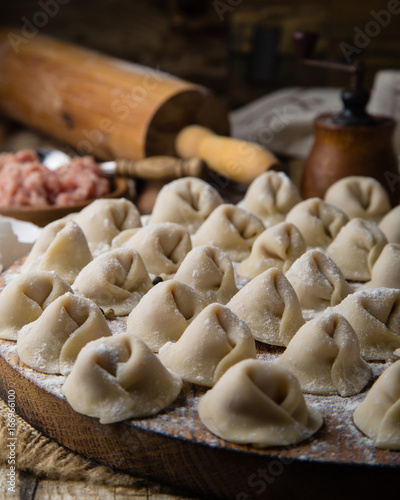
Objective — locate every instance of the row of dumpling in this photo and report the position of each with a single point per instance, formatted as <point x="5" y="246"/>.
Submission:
<point x="118" y="377"/>
<point x="196" y="269"/>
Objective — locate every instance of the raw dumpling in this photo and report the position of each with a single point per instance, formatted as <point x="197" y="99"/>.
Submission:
<point x="52" y="342"/>
<point x="318" y="221"/>
<point x="162" y="246"/>
<point x="230" y="228"/>
<point x="359" y="196"/>
<point x="378" y="416"/>
<point x="259" y="403"/>
<point x="270" y="306"/>
<point x="118" y="377"/>
<point x="115" y="280"/>
<point x="390" y="226"/>
<point x="270" y="196"/>
<point x="164" y="313"/>
<point x="209" y="270"/>
<point x="214" y="341"/>
<point x="104" y="219"/>
<point x="356" y="248"/>
<point x="25" y="297"/>
<point x="60" y="247"/>
<point x="278" y="246"/>
<point x="317" y="281"/>
<point x="187" y="201"/>
<point x="386" y="270"/>
<point x="324" y="355"/>
<point x="375" y="316"/>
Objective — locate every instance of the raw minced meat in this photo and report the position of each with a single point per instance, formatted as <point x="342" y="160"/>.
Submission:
<point x="24" y="181"/>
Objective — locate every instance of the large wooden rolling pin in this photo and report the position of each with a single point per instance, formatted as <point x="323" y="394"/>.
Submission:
<point x="115" y="109"/>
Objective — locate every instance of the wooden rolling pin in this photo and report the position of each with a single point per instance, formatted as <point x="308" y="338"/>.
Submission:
<point x="115" y="109"/>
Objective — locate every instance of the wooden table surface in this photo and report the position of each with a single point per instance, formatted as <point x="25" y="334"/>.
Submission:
<point x="31" y="487"/>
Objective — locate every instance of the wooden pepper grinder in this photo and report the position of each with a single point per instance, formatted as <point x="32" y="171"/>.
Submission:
<point x="352" y="142"/>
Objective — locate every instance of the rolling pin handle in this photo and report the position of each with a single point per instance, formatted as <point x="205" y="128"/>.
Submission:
<point x="160" y="168"/>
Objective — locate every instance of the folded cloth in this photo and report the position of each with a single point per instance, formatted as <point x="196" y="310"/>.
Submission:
<point x="283" y="120"/>
<point x="385" y="99"/>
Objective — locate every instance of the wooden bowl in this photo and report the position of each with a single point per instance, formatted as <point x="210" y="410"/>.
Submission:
<point x="44" y="215"/>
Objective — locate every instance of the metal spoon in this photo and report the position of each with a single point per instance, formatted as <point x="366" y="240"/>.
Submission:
<point x="152" y="168"/>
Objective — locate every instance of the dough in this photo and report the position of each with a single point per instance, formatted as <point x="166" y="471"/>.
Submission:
<point x="209" y="270"/>
<point x="115" y="280"/>
<point x="390" y="226"/>
<point x="317" y="281"/>
<point x="60" y="247"/>
<point x="386" y="270"/>
<point x="215" y="340"/>
<point x="117" y="378"/>
<point x="104" y="219"/>
<point x="378" y="416"/>
<point x="164" y="313"/>
<point x="270" y="306"/>
<point x="375" y="316"/>
<point x="318" y="221"/>
<point x="52" y="342"/>
<point x="356" y="248"/>
<point x="359" y="196"/>
<point x="271" y="196"/>
<point x="230" y="228"/>
<point x="187" y="201"/>
<point x="259" y="403"/>
<point x="162" y="246"/>
<point x="324" y="355"/>
<point x="25" y="297"/>
<point x="278" y="246"/>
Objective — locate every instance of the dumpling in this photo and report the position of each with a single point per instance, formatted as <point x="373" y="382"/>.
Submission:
<point x="359" y="196"/>
<point x="117" y="378"/>
<point x="162" y="246"/>
<point x="318" y="221"/>
<point x="270" y="306"/>
<point x="375" y="316"/>
<point x="230" y="228"/>
<point x="324" y="355"/>
<point x="187" y="201"/>
<point x="317" y="281"/>
<point x="115" y="280"/>
<point x="278" y="246"/>
<point x="378" y="416"/>
<point x="25" y="297"/>
<point x="104" y="219"/>
<point x="386" y="270"/>
<point x="60" y="247"/>
<point x="52" y="342"/>
<point x="390" y="226"/>
<point x="215" y="340"/>
<point x="271" y="196"/>
<point x="259" y="403"/>
<point x="356" y="248"/>
<point x="164" y="313"/>
<point x="209" y="270"/>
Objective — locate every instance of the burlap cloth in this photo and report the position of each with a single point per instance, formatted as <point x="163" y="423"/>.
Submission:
<point x="47" y="459"/>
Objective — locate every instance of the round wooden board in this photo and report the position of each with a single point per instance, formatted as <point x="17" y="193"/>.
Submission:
<point x="173" y="447"/>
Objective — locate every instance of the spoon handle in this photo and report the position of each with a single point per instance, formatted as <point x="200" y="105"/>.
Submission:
<point x="160" y="168"/>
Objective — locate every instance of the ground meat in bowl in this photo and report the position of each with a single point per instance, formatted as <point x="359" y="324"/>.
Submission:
<point x="24" y="181"/>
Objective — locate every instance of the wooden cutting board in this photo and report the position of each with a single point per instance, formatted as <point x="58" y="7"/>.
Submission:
<point x="174" y="448"/>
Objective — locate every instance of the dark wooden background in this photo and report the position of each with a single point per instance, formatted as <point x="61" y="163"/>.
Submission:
<point x="240" y="48"/>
